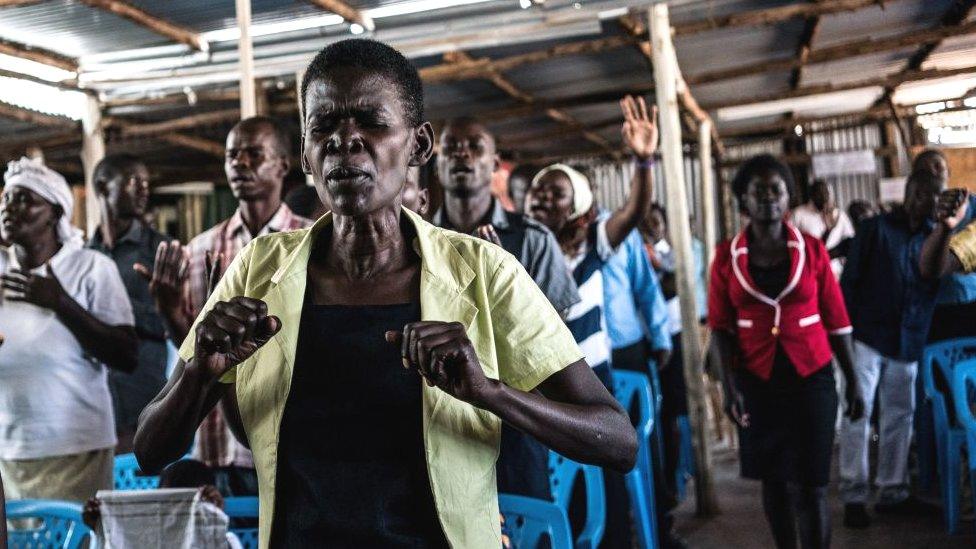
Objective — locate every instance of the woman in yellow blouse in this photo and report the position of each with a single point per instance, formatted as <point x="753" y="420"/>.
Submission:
<point x="370" y="360"/>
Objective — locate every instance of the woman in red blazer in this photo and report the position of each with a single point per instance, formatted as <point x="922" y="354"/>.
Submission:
<point x="778" y="317"/>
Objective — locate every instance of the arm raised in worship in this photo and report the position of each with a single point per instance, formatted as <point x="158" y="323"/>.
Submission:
<point x="640" y="134"/>
<point x="940" y="255"/>
<point x="167" y="285"/>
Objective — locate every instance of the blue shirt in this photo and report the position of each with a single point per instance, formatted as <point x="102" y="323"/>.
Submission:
<point x="889" y="303"/>
<point x="959" y="287"/>
<point x="631" y="294"/>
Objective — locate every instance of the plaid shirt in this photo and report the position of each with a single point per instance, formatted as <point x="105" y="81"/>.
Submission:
<point x="215" y="445"/>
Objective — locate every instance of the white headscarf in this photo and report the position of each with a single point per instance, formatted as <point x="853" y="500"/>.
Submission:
<point x="51" y="186"/>
<point x="582" y="195"/>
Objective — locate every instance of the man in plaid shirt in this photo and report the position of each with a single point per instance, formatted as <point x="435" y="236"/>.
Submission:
<point x="256" y="163"/>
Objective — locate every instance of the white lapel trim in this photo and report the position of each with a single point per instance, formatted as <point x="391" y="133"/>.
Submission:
<point x="800" y="263"/>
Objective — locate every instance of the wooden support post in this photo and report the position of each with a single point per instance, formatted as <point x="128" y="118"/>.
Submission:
<point x="245" y="53"/>
<point x="92" y="151"/>
<point x="666" y="76"/>
<point x="709" y="209"/>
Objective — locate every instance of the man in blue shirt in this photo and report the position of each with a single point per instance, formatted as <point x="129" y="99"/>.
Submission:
<point x="890" y="305"/>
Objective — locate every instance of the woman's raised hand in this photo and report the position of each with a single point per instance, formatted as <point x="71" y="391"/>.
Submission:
<point x="231" y="332"/>
<point x="444" y="356"/>
<point x="640" y="127"/>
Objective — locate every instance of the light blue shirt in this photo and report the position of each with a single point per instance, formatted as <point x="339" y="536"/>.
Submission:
<point x="634" y="305"/>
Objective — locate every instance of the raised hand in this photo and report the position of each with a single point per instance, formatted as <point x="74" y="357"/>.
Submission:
<point x="231" y="332"/>
<point x="487" y="232"/>
<point x="640" y="127"/>
<point x="442" y="353"/>
<point x="952" y="207"/>
<point x="40" y="290"/>
<point x="167" y="277"/>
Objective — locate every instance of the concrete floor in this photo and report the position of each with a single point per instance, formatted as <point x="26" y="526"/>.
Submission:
<point x="741" y="523"/>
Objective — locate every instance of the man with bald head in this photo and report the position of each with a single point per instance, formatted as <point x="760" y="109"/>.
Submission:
<point x="465" y="164"/>
<point x="256" y="161"/>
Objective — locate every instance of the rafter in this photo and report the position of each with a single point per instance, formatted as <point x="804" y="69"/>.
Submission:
<point x="513" y="91"/>
<point x="810" y="29"/>
<point x="347" y="12"/>
<point x="770" y="16"/>
<point x="956" y="15"/>
<point x="883" y="82"/>
<point x="38" y="55"/>
<point x="845" y="50"/>
<point x="33" y="117"/>
<point x="16" y="3"/>
<point x="156" y="24"/>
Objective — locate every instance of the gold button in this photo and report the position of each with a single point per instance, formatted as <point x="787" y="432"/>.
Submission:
<point x="775" y="330"/>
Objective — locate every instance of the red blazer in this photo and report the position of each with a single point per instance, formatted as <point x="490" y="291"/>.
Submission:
<point x="810" y="307"/>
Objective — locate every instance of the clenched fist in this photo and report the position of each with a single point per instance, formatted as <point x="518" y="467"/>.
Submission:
<point x="442" y="353"/>
<point x="231" y="332"/>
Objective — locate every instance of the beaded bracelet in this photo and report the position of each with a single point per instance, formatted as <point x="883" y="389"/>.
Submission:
<point x="648" y="164"/>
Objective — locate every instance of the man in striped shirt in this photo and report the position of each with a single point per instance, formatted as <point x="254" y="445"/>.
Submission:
<point x="256" y="162"/>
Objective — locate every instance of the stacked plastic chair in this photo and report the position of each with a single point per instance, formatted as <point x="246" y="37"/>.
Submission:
<point x="530" y="523"/>
<point x="633" y="391"/>
<point x="964" y="397"/>
<point x="128" y="476"/>
<point x="940" y="359"/>
<point x="562" y="477"/>
<point x="243" y="508"/>
<point x="52" y="525"/>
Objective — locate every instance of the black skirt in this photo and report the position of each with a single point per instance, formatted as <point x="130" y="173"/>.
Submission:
<point x="790" y="437"/>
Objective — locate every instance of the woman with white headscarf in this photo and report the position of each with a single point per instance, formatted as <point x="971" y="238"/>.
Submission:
<point x="560" y="198"/>
<point x="64" y="317"/>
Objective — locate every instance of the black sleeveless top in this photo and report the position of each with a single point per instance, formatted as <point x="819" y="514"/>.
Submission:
<point x="351" y="469"/>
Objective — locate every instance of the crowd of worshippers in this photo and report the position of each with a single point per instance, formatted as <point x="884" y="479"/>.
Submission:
<point x="416" y="335"/>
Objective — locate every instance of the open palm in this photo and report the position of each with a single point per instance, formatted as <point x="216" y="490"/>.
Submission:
<point x="640" y="127"/>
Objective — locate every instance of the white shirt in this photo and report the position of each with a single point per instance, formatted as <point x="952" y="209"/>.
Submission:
<point x="54" y="398"/>
<point x="809" y="220"/>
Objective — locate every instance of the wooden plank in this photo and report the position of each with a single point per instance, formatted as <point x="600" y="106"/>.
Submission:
<point x="810" y="30"/>
<point x="245" y="53"/>
<point x="33" y="117"/>
<point x="38" y="55"/>
<point x="771" y="16"/>
<point x="845" y="50"/>
<point x="666" y="78"/>
<point x="347" y="12"/>
<point x="92" y="152"/>
<point x="883" y="82"/>
<point x="156" y="24"/>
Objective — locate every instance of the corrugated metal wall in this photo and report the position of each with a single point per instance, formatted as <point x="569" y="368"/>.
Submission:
<point x="838" y="136"/>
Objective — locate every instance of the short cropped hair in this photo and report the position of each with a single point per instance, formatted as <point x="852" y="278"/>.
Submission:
<point x="372" y="56"/>
<point x="282" y="141"/>
<point x="757" y="165"/>
<point x="114" y="165"/>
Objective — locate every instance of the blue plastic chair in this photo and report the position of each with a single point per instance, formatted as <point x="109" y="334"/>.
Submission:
<point x="949" y="437"/>
<point x="243" y="507"/>
<point x="128" y="476"/>
<point x="528" y="521"/>
<point x="60" y="525"/>
<point x="562" y="477"/>
<point x="964" y="397"/>
<point x="686" y="457"/>
<point x="633" y="390"/>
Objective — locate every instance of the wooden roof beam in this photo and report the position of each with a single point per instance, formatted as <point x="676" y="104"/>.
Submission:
<point x="38" y="55"/>
<point x="810" y="29"/>
<point x="37" y="118"/>
<point x="513" y="91"/>
<point x="16" y="3"/>
<point x="770" y="16"/>
<point x="156" y="24"/>
<point x="882" y="82"/>
<point x="955" y="16"/>
<point x="347" y="12"/>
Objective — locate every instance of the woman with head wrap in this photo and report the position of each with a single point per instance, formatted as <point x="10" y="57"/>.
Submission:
<point x="561" y="199"/>
<point x="64" y="317"/>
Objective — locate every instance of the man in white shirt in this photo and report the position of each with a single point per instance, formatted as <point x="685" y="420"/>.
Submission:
<point x="821" y="218"/>
<point x="65" y="317"/>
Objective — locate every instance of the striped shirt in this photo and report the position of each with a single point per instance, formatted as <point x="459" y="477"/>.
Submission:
<point x="214" y="444"/>
<point x="586" y="319"/>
